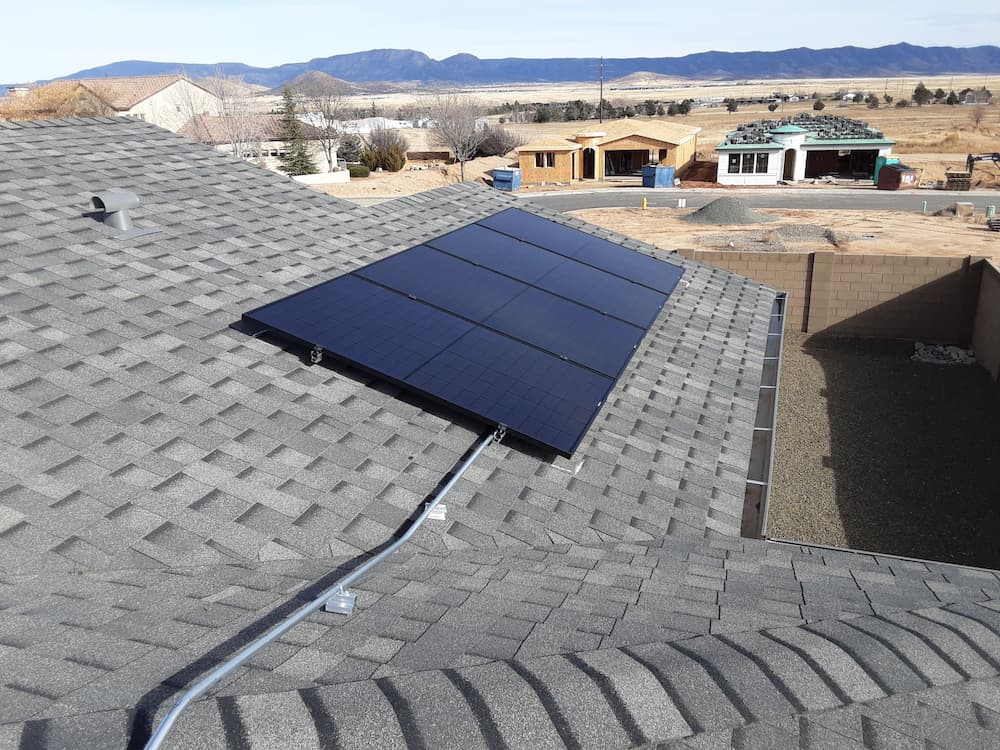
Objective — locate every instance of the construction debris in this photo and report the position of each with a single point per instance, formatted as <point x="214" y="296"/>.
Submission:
<point x="938" y="354"/>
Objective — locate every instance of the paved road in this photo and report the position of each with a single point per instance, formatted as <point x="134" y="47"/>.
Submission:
<point x="818" y="198"/>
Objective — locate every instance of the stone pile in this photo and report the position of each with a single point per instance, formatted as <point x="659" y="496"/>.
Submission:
<point x="726" y="210"/>
<point x="937" y="354"/>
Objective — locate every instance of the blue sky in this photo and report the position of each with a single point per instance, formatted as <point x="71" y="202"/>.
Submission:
<point x="46" y="39"/>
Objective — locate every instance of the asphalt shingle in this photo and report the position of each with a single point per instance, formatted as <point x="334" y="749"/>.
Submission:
<point x="171" y="486"/>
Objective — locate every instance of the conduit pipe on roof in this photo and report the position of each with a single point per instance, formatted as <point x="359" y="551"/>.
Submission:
<point x="337" y="589"/>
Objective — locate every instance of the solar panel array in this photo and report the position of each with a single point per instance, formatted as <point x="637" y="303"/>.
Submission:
<point x="515" y="320"/>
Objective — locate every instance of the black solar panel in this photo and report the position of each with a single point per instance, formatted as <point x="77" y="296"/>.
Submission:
<point x="515" y="320"/>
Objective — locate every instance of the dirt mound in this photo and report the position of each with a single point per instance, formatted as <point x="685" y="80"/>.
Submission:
<point x="726" y="210"/>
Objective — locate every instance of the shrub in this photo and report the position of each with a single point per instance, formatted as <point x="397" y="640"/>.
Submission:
<point x="358" y="170"/>
<point x="384" y="148"/>
<point x="772" y="106"/>
<point x="498" y="141"/>
<point x="818" y="105"/>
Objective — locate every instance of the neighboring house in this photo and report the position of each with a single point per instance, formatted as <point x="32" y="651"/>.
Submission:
<point x="261" y="134"/>
<point x="366" y="125"/>
<point x="172" y="486"/>
<point x="167" y="100"/>
<point x="620" y="147"/>
<point x="797" y="148"/>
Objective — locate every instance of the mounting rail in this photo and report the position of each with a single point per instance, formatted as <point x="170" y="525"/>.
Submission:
<point x="337" y="594"/>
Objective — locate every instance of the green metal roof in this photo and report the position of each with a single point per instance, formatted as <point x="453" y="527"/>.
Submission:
<point x="850" y="142"/>
<point x="772" y="146"/>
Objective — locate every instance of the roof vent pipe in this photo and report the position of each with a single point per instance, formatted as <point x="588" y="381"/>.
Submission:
<point x="115" y="205"/>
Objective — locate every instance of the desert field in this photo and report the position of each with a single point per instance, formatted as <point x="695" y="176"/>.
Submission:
<point x="641" y="86"/>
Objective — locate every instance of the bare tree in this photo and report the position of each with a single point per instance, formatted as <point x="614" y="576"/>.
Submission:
<point x="324" y="109"/>
<point x="241" y="124"/>
<point x="977" y="114"/>
<point x="457" y="126"/>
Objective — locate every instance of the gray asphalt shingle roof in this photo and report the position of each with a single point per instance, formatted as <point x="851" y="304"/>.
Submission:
<point x="166" y="482"/>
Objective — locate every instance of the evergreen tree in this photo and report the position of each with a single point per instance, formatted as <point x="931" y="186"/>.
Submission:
<point x="296" y="160"/>
<point x="952" y="99"/>
<point x="350" y="147"/>
<point x="922" y="94"/>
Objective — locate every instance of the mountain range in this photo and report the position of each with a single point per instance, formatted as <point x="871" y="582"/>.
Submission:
<point x="412" y="66"/>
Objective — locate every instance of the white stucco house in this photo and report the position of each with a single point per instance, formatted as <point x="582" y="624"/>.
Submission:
<point x="801" y="147"/>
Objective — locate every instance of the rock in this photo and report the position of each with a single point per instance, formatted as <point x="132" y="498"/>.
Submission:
<point x="936" y="354"/>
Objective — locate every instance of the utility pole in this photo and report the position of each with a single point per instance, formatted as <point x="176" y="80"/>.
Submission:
<point x="600" y="104"/>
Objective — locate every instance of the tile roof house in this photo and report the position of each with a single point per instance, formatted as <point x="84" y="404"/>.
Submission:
<point x="165" y="100"/>
<point x="169" y="487"/>
<point x="260" y="134"/>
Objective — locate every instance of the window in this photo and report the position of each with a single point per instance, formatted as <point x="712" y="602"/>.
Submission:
<point x="545" y="159"/>
<point x="748" y="163"/>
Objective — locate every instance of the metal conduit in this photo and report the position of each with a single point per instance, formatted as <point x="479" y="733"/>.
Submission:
<point x="338" y="589"/>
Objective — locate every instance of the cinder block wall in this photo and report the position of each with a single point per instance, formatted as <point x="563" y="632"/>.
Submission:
<point x="986" y="326"/>
<point x="890" y="296"/>
<point x="788" y="272"/>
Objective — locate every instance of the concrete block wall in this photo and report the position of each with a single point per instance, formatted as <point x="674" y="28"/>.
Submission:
<point x="986" y="324"/>
<point x="893" y="296"/>
<point x="788" y="272"/>
<point x="932" y="299"/>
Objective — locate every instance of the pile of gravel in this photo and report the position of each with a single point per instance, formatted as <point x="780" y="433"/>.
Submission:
<point x="726" y="210"/>
<point x="777" y="240"/>
<point x="936" y="354"/>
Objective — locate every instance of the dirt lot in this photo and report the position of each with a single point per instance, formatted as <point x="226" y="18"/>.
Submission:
<point x="889" y="232"/>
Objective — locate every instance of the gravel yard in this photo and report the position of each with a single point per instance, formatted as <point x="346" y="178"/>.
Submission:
<point x="877" y="452"/>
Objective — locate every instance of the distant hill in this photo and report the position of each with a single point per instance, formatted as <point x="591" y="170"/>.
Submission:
<point x="393" y="65"/>
<point x="315" y="82"/>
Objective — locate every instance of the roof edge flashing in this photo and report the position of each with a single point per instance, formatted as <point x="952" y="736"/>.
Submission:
<point x="114" y="205"/>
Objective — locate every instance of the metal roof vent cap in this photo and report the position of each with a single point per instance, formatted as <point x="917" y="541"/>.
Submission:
<point x="115" y="205"/>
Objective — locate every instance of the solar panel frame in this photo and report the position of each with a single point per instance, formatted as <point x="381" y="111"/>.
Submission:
<point x="425" y="324"/>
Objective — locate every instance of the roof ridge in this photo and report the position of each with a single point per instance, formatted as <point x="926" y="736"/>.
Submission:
<point x="649" y="692"/>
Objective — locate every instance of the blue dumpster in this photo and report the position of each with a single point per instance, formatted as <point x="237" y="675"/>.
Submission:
<point x="507" y="179"/>
<point x="654" y="176"/>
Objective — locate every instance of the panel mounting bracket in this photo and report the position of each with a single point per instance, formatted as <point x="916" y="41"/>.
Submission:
<point x="341" y="603"/>
<point x="316" y="355"/>
<point x="438" y="513"/>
